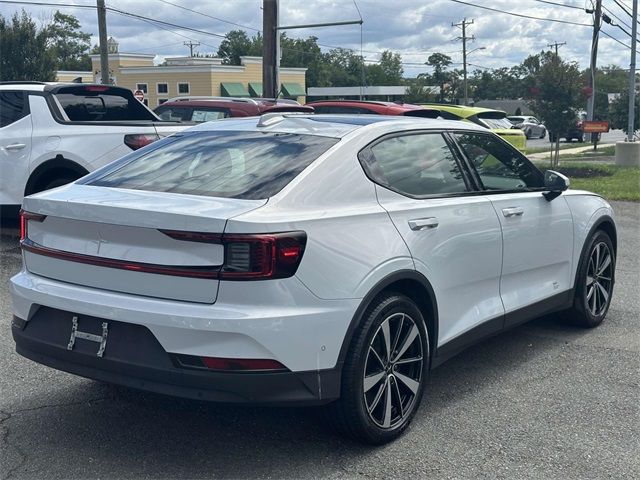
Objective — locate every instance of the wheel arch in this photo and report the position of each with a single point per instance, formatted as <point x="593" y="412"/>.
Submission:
<point x="606" y="224"/>
<point x="407" y="282"/>
<point x="59" y="163"/>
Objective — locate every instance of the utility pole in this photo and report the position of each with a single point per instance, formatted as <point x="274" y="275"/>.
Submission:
<point x="556" y="45"/>
<point x="464" y="38"/>
<point x="632" y="73"/>
<point x="597" y="23"/>
<point x="102" y="35"/>
<point x="270" y="41"/>
<point x="191" y="44"/>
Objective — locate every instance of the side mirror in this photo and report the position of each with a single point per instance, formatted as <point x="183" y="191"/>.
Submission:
<point x="555" y="183"/>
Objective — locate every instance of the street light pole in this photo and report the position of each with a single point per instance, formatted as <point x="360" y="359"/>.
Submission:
<point x="632" y="74"/>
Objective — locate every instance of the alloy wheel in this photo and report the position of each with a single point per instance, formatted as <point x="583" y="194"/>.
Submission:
<point x="393" y="371"/>
<point x="599" y="279"/>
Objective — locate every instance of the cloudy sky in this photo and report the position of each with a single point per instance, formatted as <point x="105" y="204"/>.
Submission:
<point x="413" y="28"/>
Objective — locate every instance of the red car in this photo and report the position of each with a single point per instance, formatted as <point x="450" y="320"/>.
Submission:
<point x="203" y="109"/>
<point x="370" y="107"/>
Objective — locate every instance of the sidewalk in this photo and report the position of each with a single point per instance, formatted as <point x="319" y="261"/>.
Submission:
<point x="567" y="151"/>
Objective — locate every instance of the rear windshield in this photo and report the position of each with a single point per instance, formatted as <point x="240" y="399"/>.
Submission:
<point x="248" y="165"/>
<point x="495" y="120"/>
<point x="92" y="103"/>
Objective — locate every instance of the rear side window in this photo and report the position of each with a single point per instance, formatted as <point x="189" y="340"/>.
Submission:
<point x="99" y="103"/>
<point x="248" y="165"/>
<point x="12" y="107"/>
<point x="415" y="165"/>
<point x="174" y="114"/>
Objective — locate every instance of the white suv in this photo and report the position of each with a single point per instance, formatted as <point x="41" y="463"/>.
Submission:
<point x="54" y="133"/>
<point x="304" y="259"/>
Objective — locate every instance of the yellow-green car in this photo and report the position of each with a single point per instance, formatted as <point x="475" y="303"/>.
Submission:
<point x="496" y="120"/>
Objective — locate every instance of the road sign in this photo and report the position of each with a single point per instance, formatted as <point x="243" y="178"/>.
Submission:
<point x="595" y="127"/>
<point x="139" y="94"/>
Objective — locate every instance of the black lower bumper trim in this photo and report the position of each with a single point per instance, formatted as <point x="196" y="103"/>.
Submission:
<point x="134" y="358"/>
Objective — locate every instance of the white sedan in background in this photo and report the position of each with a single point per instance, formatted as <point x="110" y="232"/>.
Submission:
<point x="297" y="259"/>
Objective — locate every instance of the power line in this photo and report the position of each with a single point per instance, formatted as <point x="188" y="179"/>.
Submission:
<point x="623" y="7"/>
<point x="559" y="4"/>
<point x="617" y="17"/>
<point x="531" y="17"/>
<point x="209" y="16"/>
<point x="615" y="39"/>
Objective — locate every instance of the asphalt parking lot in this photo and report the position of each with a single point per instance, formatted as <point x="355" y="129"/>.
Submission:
<point x="543" y="401"/>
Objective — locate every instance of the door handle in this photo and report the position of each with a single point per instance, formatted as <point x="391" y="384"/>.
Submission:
<point x="15" y="146"/>
<point x="513" y="212"/>
<point x="423" y="223"/>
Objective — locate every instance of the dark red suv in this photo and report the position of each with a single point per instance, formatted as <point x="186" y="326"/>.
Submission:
<point x="369" y="107"/>
<point x="204" y="109"/>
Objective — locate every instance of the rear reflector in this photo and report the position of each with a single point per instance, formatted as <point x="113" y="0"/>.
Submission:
<point x="25" y="217"/>
<point x="134" y="142"/>
<point x="246" y="364"/>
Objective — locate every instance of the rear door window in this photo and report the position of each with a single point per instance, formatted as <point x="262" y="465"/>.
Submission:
<point x="248" y="165"/>
<point x="91" y="103"/>
<point x="209" y="114"/>
<point x="174" y="114"/>
<point x="13" y="107"/>
<point x="416" y="165"/>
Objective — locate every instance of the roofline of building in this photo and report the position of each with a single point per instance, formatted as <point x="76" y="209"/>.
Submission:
<point x="74" y="72"/>
<point x="96" y="56"/>
<point x="196" y="69"/>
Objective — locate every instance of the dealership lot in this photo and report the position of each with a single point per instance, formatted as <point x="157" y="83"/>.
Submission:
<point x="543" y="401"/>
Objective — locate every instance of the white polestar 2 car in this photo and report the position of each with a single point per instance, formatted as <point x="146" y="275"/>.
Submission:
<point x="305" y="260"/>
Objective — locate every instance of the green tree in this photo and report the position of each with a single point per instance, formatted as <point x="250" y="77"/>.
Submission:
<point x="609" y="79"/>
<point x="417" y="91"/>
<point x="24" y="52"/>
<point x="388" y="71"/>
<point x="305" y="53"/>
<point x="237" y="44"/>
<point x="69" y="45"/>
<point x="440" y="76"/>
<point x="557" y="96"/>
<point x="619" y="112"/>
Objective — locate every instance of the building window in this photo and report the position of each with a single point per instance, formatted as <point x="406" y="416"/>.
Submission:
<point x="163" y="87"/>
<point x="183" y="88"/>
<point x="143" y="87"/>
<point x="146" y="101"/>
<point x="162" y="100"/>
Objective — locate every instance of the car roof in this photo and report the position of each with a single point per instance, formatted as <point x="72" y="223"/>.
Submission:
<point x="364" y="103"/>
<point x="461" y="110"/>
<point x="336" y="126"/>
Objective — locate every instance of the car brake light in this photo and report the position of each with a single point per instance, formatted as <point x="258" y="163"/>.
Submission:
<point x="24" y="220"/>
<point x="241" y="364"/>
<point x="95" y="88"/>
<point x="262" y="256"/>
<point x="136" y="141"/>
<point x="253" y="256"/>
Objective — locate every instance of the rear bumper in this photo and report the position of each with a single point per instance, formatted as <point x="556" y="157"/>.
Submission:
<point x="134" y="358"/>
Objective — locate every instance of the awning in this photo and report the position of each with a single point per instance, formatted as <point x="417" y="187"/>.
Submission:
<point x="233" y="89"/>
<point x="255" y="89"/>
<point x="293" y="90"/>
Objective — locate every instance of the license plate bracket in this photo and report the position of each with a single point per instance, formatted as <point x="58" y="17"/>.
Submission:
<point x="101" y="339"/>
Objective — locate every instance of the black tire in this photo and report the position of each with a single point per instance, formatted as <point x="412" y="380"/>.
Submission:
<point x="580" y="138"/>
<point x="590" y="288"/>
<point x="527" y="133"/>
<point x="544" y="133"/>
<point x="58" y="182"/>
<point x="357" y="414"/>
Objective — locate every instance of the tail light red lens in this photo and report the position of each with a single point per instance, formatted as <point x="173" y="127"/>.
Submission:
<point x="253" y="256"/>
<point x="25" y="217"/>
<point x="262" y="256"/>
<point x="240" y="364"/>
<point x="134" y="142"/>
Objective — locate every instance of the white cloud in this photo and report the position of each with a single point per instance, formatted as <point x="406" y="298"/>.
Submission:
<point x="414" y="28"/>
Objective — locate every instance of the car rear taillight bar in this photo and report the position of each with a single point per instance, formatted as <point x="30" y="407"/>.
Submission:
<point x="25" y="217"/>
<point x="253" y="256"/>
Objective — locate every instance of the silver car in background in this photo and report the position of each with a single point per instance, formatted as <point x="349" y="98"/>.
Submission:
<point x="531" y="126"/>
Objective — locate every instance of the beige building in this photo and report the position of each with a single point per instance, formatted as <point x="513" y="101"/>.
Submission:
<point x="188" y="76"/>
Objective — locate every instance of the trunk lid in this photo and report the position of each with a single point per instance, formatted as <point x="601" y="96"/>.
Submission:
<point x="112" y="239"/>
